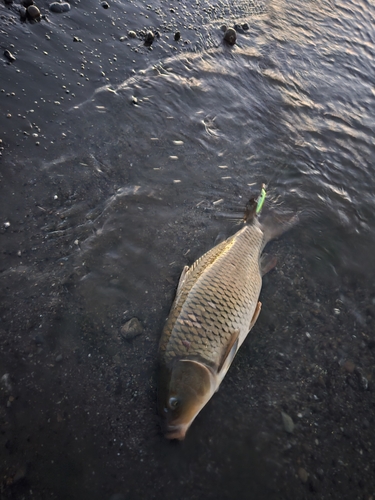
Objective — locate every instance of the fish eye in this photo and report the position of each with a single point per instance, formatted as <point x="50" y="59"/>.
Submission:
<point x="173" y="402"/>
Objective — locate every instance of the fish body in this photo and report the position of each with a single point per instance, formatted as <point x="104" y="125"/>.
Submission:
<point x="215" y="307"/>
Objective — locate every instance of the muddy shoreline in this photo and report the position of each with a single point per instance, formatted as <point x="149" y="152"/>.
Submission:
<point x="78" y="402"/>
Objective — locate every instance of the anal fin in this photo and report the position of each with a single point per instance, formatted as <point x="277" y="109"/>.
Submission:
<point x="267" y="263"/>
<point x="255" y="315"/>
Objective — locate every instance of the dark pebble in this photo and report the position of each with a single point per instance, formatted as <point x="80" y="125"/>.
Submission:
<point x="105" y="5"/>
<point x="58" y="7"/>
<point x="9" y="56"/>
<point x="149" y="38"/>
<point x="239" y="28"/>
<point x="27" y="3"/>
<point x="23" y="12"/>
<point x="33" y="12"/>
<point x="39" y="340"/>
<point x="245" y="26"/>
<point x="223" y="28"/>
<point x="131" y="329"/>
<point x="230" y="36"/>
<point x="177" y="36"/>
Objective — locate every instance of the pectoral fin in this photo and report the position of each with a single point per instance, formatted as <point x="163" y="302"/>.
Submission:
<point x="255" y="315"/>
<point x="229" y="352"/>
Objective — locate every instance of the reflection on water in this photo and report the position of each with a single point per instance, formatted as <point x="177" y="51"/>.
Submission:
<point x="137" y="190"/>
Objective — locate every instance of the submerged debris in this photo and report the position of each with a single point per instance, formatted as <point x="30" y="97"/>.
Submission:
<point x="9" y="56"/>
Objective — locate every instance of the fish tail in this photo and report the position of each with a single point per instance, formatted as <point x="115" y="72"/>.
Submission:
<point x="274" y="225"/>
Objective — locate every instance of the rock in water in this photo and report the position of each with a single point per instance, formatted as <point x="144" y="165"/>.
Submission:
<point x="59" y="7"/>
<point x="177" y="36"/>
<point x="131" y="329"/>
<point x="33" y="12"/>
<point x="150" y="37"/>
<point x="230" y="36"/>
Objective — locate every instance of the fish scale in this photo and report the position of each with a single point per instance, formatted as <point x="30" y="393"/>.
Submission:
<point x="216" y="298"/>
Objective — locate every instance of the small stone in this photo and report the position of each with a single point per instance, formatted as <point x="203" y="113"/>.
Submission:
<point x="149" y="38"/>
<point x="23" y="13"/>
<point x="239" y="28"/>
<point x="20" y="474"/>
<point x="76" y="39"/>
<point x="177" y="36"/>
<point x="349" y="366"/>
<point x="9" y="56"/>
<point x="131" y="329"/>
<point x="33" y="12"/>
<point x="5" y="382"/>
<point x="303" y="474"/>
<point x="245" y="26"/>
<point x="59" y="358"/>
<point x="134" y="100"/>
<point x="39" y="340"/>
<point x="105" y="5"/>
<point x="27" y="3"/>
<point x="132" y="34"/>
<point x="230" y="36"/>
<point x="59" y="7"/>
<point x="223" y="28"/>
<point x="287" y="422"/>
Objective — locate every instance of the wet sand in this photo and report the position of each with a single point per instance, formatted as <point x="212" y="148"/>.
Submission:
<point x="78" y="402"/>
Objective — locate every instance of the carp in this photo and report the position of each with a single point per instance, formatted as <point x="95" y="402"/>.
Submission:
<point x="216" y="305"/>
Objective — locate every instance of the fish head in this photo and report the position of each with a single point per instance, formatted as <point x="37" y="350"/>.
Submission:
<point x="189" y="387"/>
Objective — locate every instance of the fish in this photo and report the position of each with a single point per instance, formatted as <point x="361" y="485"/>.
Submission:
<point x="215" y="307"/>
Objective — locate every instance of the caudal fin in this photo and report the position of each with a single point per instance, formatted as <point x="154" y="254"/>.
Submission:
<point x="274" y="225"/>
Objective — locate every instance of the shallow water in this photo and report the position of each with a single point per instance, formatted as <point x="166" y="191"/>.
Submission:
<point x="134" y="178"/>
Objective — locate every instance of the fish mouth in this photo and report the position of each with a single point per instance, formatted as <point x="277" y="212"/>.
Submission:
<point x="176" y="431"/>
